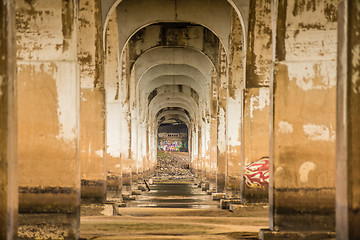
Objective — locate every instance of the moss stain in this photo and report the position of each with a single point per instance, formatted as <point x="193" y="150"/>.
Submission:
<point x="67" y="17"/>
<point x="331" y="12"/>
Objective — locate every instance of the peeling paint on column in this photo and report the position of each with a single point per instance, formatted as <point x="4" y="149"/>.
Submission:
<point x="319" y="132"/>
<point x="285" y="127"/>
<point x="305" y="170"/>
<point x="259" y="44"/>
<point x="309" y="76"/>
<point x="45" y="30"/>
<point x="67" y="19"/>
<point x="259" y="102"/>
<point x="67" y="118"/>
<point x="306" y="37"/>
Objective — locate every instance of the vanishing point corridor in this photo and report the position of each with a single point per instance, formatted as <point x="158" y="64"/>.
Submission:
<point x="175" y="207"/>
<point x="180" y="119"/>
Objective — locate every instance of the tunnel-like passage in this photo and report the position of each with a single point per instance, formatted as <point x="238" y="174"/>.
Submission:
<point x="178" y="111"/>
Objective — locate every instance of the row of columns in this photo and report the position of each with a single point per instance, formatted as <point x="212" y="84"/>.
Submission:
<point x="50" y="147"/>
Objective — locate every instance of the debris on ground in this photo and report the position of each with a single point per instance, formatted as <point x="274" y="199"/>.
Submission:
<point x="173" y="165"/>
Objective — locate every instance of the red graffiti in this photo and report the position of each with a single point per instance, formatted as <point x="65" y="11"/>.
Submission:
<point x="257" y="173"/>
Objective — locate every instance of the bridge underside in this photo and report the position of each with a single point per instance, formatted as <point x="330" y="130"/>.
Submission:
<point x="262" y="95"/>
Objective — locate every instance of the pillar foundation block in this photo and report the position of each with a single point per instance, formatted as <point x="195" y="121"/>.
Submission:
<point x="218" y="196"/>
<point x="136" y="192"/>
<point x="226" y="203"/>
<point x="205" y="186"/>
<point x="128" y="197"/>
<point x="47" y="226"/>
<point x="267" y="234"/>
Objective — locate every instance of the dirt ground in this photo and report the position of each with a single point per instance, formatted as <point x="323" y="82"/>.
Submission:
<point x="176" y="223"/>
<point x="174" y="186"/>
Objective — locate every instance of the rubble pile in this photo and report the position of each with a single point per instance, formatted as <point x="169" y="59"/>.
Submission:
<point x="173" y="165"/>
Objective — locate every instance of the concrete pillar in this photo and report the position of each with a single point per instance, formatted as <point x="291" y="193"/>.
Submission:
<point x="200" y="167"/>
<point x="213" y="131"/>
<point x="208" y="149"/>
<point x="203" y="148"/>
<point x="134" y="150"/>
<point x="147" y="151"/>
<point x="302" y="189"/>
<point x="48" y="119"/>
<point x="348" y="122"/>
<point x="234" y="109"/>
<point x="92" y="102"/>
<point x="114" y="132"/>
<point x="255" y="144"/>
<point x="8" y="123"/>
<point x="221" y="123"/>
<point x="141" y="150"/>
<point x="195" y="148"/>
<point x="125" y="124"/>
<point x="153" y="145"/>
<point x="133" y="130"/>
<point x="255" y="162"/>
<point x="191" y="146"/>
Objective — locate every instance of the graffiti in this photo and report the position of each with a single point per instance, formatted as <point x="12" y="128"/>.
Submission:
<point x="257" y="173"/>
<point x="172" y="146"/>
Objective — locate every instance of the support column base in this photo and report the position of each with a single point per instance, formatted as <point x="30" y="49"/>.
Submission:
<point x="267" y="234"/>
<point x="226" y="202"/>
<point x="205" y="186"/>
<point x="48" y="226"/>
<point x="128" y="197"/>
<point x="218" y="196"/>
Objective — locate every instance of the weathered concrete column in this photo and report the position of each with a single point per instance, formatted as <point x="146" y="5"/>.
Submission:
<point x="234" y="109"/>
<point x="48" y="118"/>
<point x="125" y="124"/>
<point x="194" y="149"/>
<point x="141" y="150"/>
<point x="133" y="130"/>
<point x="147" y="151"/>
<point x="213" y="131"/>
<point x="255" y="171"/>
<point x="200" y="165"/>
<point x="348" y="123"/>
<point x="203" y="149"/>
<point x="8" y="123"/>
<point x="114" y="145"/>
<point x="92" y="102"/>
<point x="222" y="86"/>
<point x="302" y="186"/>
<point x="153" y="145"/>
<point x="207" y="134"/>
<point x="255" y="142"/>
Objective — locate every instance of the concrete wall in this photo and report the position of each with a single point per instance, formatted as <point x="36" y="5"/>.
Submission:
<point x="48" y="117"/>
